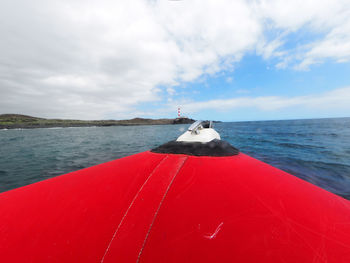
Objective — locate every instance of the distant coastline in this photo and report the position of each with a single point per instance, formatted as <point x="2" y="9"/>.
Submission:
<point x="18" y="121"/>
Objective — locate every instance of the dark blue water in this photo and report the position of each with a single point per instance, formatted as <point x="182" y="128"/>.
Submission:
<point x="317" y="151"/>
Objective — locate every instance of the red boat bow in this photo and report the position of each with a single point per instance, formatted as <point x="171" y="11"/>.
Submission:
<point x="158" y="207"/>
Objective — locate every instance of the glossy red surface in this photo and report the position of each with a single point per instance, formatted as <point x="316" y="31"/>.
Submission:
<point x="153" y="207"/>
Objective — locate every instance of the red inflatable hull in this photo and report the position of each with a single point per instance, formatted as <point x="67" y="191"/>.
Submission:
<point x="153" y="207"/>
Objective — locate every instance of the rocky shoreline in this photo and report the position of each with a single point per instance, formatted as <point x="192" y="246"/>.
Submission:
<point x="17" y="121"/>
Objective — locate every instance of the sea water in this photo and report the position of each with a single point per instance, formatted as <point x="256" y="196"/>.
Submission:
<point x="315" y="150"/>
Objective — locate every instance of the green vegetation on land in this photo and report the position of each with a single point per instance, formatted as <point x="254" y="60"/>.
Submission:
<point x="13" y="121"/>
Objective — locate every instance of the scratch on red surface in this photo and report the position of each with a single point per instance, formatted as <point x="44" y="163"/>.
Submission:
<point x="132" y="202"/>
<point x="215" y="233"/>
<point x="160" y="204"/>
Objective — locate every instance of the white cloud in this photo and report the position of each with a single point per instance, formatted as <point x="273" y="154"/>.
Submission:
<point x="328" y="101"/>
<point x="171" y="91"/>
<point x="325" y="22"/>
<point x="89" y="59"/>
<point x="269" y="49"/>
<point x="100" y="59"/>
<point x="336" y="46"/>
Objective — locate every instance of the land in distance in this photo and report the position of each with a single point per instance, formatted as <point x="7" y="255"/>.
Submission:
<point x="16" y="121"/>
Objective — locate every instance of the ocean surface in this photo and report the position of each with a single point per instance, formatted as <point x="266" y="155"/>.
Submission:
<point x="316" y="150"/>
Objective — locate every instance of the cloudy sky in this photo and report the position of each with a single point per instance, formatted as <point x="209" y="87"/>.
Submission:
<point x="225" y="60"/>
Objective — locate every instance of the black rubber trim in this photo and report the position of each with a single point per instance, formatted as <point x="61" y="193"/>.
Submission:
<point x="213" y="148"/>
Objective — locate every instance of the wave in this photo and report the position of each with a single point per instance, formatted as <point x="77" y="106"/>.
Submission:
<point x="300" y="146"/>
